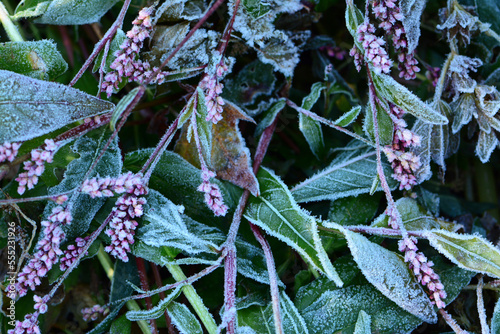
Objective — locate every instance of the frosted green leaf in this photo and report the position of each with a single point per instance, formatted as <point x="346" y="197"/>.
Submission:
<point x="485" y="145"/>
<point x="464" y="108"/>
<point x="329" y="310"/>
<point x="350" y="174"/>
<point x="157" y="310"/>
<point x="495" y="319"/>
<point x="39" y="59"/>
<point x="363" y="323"/>
<point x="412" y="11"/>
<point x="116" y="42"/>
<point x="385" y="126"/>
<point x="30" y="8"/>
<point x="259" y="318"/>
<point x="388" y="272"/>
<point x="281" y="53"/>
<point x="256" y="8"/>
<point x="71" y="12"/>
<point x="270" y="115"/>
<point x="183" y="319"/>
<point x="399" y="95"/>
<point x="353" y="18"/>
<point x="278" y="214"/>
<point x="354" y="210"/>
<point x="122" y="106"/>
<point x="348" y="117"/>
<point x="311" y="129"/>
<point x="204" y="127"/>
<point x="423" y="130"/>
<point x="88" y="148"/>
<point x="415" y="218"/>
<point x="471" y="252"/>
<point x="30" y="107"/>
<point x="121" y="326"/>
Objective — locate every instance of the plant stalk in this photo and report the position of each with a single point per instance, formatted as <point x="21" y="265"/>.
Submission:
<point x="9" y="26"/>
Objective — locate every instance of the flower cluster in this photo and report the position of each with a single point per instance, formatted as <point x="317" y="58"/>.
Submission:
<point x="422" y="268"/>
<point x="92" y="313"/>
<point x="212" y="87"/>
<point x="358" y="57"/>
<point x="47" y="251"/>
<point x="374" y="48"/>
<point x="28" y="326"/>
<point x="72" y="253"/>
<point x="35" y="167"/>
<point x="106" y="187"/>
<point x="213" y="196"/>
<point x="125" y="63"/>
<point x="8" y="151"/>
<point x="433" y="75"/>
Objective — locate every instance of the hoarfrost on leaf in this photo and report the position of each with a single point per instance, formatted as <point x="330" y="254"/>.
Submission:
<point x="71" y="12"/>
<point x="485" y="145"/>
<point x="412" y="11"/>
<point x="183" y="319"/>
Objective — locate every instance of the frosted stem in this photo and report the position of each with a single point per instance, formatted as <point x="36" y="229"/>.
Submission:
<point x="273" y="279"/>
<point x="451" y="322"/>
<point x="101" y="44"/>
<point x="158" y="282"/>
<point x="145" y="286"/>
<point x="227" y="31"/>
<point x="442" y="78"/>
<point x="485" y="329"/>
<point x="328" y="123"/>
<point x="9" y="26"/>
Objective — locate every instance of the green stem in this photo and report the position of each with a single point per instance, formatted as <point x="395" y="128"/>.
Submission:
<point x="132" y="305"/>
<point x="8" y="25"/>
<point x="193" y="297"/>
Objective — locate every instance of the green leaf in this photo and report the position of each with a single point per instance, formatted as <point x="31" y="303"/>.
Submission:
<point x="122" y="106"/>
<point x="489" y="12"/>
<point x="415" y="218"/>
<point x="39" y="60"/>
<point x="348" y="117"/>
<point x="350" y="174"/>
<point x="280" y="52"/>
<point x="486" y="143"/>
<point x="363" y="324"/>
<point x="71" y="12"/>
<point x="204" y="127"/>
<point x="30" y="8"/>
<point x="385" y="126"/>
<point x="311" y="129"/>
<point x="399" y="95"/>
<point x="30" y="108"/>
<point x="121" y="326"/>
<point x="183" y="319"/>
<point x="329" y="310"/>
<point x="255" y="8"/>
<point x="269" y="116"/>
<point x="116" y="42"/>
<point x="495" y="319"/>
<point x="412" y="11"/>
<point x="279" y="215"/>
<point x="85" y="208"/>
<point x="260" y="320"/>
<point x="354" y="210"/>
<point x="388" y="272"/>
<point x="423" y="130"/>
<point x="470" y="252"/>
<point x="353" y="18"/>
<point x="156" y="311"/>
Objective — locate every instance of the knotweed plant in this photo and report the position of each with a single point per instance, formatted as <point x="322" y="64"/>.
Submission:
<point x="225" y="166"/>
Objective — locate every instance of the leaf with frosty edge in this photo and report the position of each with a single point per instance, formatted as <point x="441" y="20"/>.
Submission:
<point x="30" y="107"/>
<point x="310" y="128"/>
<point x="71" y="12"/>
<point x="278" y="214"/>
<point x="183" y="319"/>
<point x="471" y="252"/>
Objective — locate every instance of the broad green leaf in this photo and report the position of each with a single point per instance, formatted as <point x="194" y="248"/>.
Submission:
<point x="388" y="272"/>
<point x="412" y="11"/>
<point x="486" y="143"/>
<point x="495" y="319"/>
<point x="399" y="95"/>
<point x="363" y="324"/>
<point x="71" y="12"/>
<point x="311" y="129"/>
<point x="470" y="252"/>
<point x="30" y="108"/>
<point x="348" y="117"/>
<point x="259" y="318"/>
<point x="183" y="319"/>
<point x="124" y="272"/>
<point x="415" y="218"/>
<point x="354" y="210"/>
<point x="270" y="115"/>
<point x="83" y="207"/>
<point x="329" y="310"/>
<point x="385" y="126"/>
<point x="156" y="311"/>
<point x="122" y="106"/>
<point x="39" y="60"/>
<point x="116" y="42"/>
<point x="278" y="214"/>
<point x="121" y="326"/>
<point x="31" y="8"/>
<point x="350" y="174"/>
<point x="280" y="52"/>
<point x="489" y="12"/>
<point x="353" y="18"/>
<point x="256" y="8"/>
<point x="453" y="278"/>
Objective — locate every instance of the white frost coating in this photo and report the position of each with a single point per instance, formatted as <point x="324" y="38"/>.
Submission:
<point x="485" y="145"/>
<point x="464" y="107"/>
<point x="470" y="252"/>
<point x="30" y="108"/>
<point x="459" y="69"/>
<point x="390" y="275"/>
<point x="278" y="214"/>
<point x="323" y="257"/>
<point x="363" y="325"/>
<point x="156" y="311"/>
<point x="70" y="12"/>
<point x="292" y="320"/>
<point x="183" y="319"/>
<point x="423" y="130"/>
<point x="412" y="10"/>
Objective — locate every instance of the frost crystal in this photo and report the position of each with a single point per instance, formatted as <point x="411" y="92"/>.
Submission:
<point x="35" y="167"/>
<point x="8" y="151"/>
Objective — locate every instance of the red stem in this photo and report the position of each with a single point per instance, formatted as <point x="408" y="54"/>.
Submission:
<point x="159" y="284"/>
<point x="145" y="286"/>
